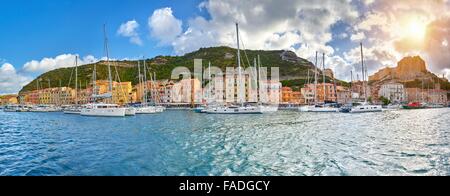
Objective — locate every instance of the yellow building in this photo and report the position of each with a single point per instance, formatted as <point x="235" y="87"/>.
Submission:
<point x="8" y="99"/>
<point x="122" y="93"/>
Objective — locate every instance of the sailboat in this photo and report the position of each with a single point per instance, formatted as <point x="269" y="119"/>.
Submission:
<point x="240" y="107"/>
<point x="264" y="108"/>
<point x="144" y="107"/>
<point x="75" y="109"/>
<point x="365" y="107"/>
<point x="319" y="107"/>
<point x="104" y="109"/>
<point x="202" y="108"/>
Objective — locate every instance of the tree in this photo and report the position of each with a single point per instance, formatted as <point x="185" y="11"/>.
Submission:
<point x="385" y="100"/>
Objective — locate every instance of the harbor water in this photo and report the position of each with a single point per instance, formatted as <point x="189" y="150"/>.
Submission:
<point x="174" y="143"/>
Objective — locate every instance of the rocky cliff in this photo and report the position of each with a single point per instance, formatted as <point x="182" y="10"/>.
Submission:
<point x="409" y="68"/>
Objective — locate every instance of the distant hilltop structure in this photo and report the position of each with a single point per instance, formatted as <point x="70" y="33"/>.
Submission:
<point x="408" y="69"/>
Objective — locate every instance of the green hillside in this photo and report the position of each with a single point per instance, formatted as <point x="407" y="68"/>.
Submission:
<point x="292" y="68"/>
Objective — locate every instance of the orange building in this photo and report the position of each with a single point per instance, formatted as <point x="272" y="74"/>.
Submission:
<point x="286" y="94"/>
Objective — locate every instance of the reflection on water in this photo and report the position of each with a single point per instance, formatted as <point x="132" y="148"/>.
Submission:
<point x="185" y="143"/>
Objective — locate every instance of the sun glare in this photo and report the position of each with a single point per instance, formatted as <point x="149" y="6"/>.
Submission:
<point x="416" y="30"/>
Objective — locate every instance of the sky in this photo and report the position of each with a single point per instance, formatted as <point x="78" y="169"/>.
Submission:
<point x="41" y="35"/>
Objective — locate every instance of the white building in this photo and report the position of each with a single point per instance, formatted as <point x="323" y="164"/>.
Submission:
<point x="394" y="92"/>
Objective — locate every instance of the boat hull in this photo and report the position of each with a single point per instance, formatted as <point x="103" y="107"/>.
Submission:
<point x="367" y="108"/>
<point x="130" y="112"/>
<point x="146" y="110"/>
<point x="237" y="110"/>
<point x="104" y="112"/>
<point x="318" y="109"/>
<point x="72" y="112"/>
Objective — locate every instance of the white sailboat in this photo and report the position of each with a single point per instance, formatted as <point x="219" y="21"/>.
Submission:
<point x="318" y="107"/>
<point x="365" y="106"/>
<point x="263" y="108"/>
<point x="75" y="109"/>
<point x="103" y="109"/>
<point x="239" y="108"/>
<point x="144" y="107"/>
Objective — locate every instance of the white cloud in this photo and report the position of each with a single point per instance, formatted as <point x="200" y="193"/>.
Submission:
<point x="267" y="25"/>
<point x="10" y="80"/>
<point x="358" y="37"/>
<point x="61" y="61"/>
<point x="129" y="29"/>
<point x="388" y="24"/>
<point x="164" y="26"/>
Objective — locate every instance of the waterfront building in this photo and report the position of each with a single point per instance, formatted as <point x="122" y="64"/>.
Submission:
<point x="433" y="96"/>
<point x="272" y="89"/>
<point x="8" y="99"/>
<point x="84" y="96"/>
<point x="62" y="96"/>
<point x="308" y="94"/>
<point x="360" y="89"/>
<point x="297" y="98"/>
<point x="291" y="97"/>
<point x="286" y="95"/>
<point x="437" y="96"/>
<point x="187" y="91"/>
<point x="329" y="95"/>
<point x="344" y="95"/>
<point x="394" y="92"/>
<point x="122" y="93"/>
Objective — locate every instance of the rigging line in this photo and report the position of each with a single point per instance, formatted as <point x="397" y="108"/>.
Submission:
<point x="71" y="74"/>
<point x="245" y="53"/>
<point x="120" y="83"/>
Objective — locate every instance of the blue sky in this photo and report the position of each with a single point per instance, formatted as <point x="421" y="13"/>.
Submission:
<point x="34" y="29"/>
<point x="42" y="35"/>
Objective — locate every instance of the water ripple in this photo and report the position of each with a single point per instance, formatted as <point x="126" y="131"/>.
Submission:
<point x="185" y="143"/>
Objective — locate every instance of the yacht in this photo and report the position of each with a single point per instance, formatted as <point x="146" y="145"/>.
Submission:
<point x="240" y="108"/>
<point x="365" y="106"/>
<point x="13" y="108"/>
<point x="130" y="111"/>
<point x="44" y="108"/>
<point x="72" y="110"/>
<point x="318" y="108"/>
<point x="102" y="109"/>
<point x="236" y="110"/>
<point x="145" y="109"/>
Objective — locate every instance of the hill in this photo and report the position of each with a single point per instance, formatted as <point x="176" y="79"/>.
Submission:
<point x="293" y="69"/>
<point x="410" y="71"/>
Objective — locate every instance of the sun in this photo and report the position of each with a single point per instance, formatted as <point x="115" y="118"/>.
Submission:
<point x="416" y="30"/>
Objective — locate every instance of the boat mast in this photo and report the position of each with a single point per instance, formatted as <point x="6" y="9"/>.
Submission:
<point x="239" y="61"/>
<point x="323" y="74"/>
<point x="94" y="83"/>
<point x="76" y="80"/>
<point x="351" y="87"/>
<point x="363" y="75"/>
<point x="140" y="81"/>
<point x="259" y="79"/>
<point x="210" y="82"/>
<point x="145" y="83"/>
<point x="107" y="61"/>
<point x="315" y="81"/>
<point x="155" y="89"/>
